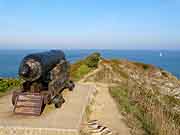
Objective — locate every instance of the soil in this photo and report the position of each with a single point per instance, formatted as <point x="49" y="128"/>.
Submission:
<point x="105" y="111"/>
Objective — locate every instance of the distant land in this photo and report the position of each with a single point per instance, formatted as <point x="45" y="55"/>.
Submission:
<point x="168" y="60"/>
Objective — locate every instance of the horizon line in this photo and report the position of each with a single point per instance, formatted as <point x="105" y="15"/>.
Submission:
<point x="66" y="49"/>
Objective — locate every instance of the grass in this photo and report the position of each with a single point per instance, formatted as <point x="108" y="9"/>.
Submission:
<point x="144" y="66"/>
<point x="83" y="67"/>
<point x="145" y="115"/>
<point x="117" y="69"/>
<point x="132" y="112"/>
<point x="6" y="84"/>
<point x="146" y="111"/>
<point x="79" y="70"/>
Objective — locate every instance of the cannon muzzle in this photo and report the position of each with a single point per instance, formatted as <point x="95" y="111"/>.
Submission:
<point x="38" y="65"/>
<point x="25" y="71"/>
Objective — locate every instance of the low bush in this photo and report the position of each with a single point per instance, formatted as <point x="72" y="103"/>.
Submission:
<point x="5" y="84"/>
<point x="92" y="60"/>
<point x="83" y="67"/>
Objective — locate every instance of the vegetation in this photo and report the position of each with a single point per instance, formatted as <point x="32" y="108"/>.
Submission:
<point x="144" y="66"/>
<point x="6" y="84"/>
<point x="144" y="112"/>
<point x="134" y="115"/>
<point x="92" y="60"/>
<point x="117" y="69"/>
<point x="78" y="70"/>
<point x="83" y="67"/>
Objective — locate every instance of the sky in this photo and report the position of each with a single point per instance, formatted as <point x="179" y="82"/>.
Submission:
<point x="90" y="24"/>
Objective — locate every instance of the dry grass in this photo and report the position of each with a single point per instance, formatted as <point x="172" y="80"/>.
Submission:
<point x="144" y="66"/>
<point x="145" y="112"/>
<point x="118" y="70"/>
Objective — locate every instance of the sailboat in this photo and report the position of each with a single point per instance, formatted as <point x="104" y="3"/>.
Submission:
<point x="160" y="54"/>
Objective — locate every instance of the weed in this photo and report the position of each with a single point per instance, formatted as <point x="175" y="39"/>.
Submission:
<point x="5" y="84"/>
<point x="144" y="111"/>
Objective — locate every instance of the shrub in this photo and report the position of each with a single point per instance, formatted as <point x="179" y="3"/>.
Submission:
<point x="83" y="67"/>
<point x="5" y="84"/>
<point x="92" y="60"/>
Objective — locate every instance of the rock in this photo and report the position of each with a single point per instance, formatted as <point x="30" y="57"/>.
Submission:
<point x="155" y="73"/>
<point x="176" y="109"/>
<point x="176" y="91"/>
<point x="169" y="84"/>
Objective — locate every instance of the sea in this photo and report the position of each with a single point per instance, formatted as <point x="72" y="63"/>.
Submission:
<point x="166" y="59"/>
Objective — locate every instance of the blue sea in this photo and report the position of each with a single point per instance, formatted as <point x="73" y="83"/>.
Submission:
<point x="170" y="60"/>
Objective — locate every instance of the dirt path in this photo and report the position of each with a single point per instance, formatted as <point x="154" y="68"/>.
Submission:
<point x="105" y="111"/>
<point x="104" y="108"/>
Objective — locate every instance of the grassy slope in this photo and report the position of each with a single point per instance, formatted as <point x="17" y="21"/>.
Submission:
<point x="136" y="119"/>
<point x="144" y="114"/>
<point x="143" y="108"/>
<point x="78" y="70"/>
<point x="147" y="111"/>
<point x="83" y="67"/>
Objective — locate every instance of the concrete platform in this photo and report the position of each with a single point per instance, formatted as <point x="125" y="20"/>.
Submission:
<point x="63" y="121"/>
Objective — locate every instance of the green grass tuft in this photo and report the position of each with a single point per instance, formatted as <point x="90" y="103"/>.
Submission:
<point x="6" y="84"/>
<point x="132" y="111"/>
<point x="81" y="71"/>
<point x="83" y="67"/>
<point x="143" y="111"/>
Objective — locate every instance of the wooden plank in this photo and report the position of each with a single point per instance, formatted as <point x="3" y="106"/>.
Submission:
<point x="29" y="97"/>
<point x="28" y="110"/>
<point x="28" y="104"/>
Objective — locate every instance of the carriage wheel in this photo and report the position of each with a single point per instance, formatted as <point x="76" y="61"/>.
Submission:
<point x="71" y="85"/>
<point x="58" y="101"/>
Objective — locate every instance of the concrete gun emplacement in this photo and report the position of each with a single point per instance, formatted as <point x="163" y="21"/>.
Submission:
<point x="45" y="76"/>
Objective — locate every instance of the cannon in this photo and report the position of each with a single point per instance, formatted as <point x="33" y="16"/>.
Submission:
<point x="45" y="75"/>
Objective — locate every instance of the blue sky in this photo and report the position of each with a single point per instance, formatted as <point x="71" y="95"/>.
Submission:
<point x="87" y="24"/>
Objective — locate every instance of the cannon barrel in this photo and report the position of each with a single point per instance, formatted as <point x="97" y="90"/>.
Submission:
<point x="38" y="65"/>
